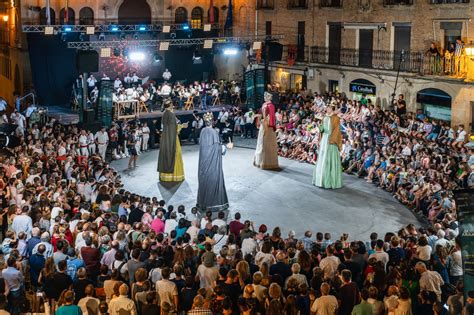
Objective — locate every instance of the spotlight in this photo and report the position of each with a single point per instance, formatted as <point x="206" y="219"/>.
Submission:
<point x="67" y="29"/>
<point x="90" y="30"/>
<point x="137" y="56"/>
<point x="157" y="57"/>
<point x="114" y="28"/>
<point x="173" y="35"/>
<point x="123" y="36"/>
<point x="230" y="51"/>
<point x="82" y="37"/>
<point x="135" y="36"/>
<point x="142" y="28"/>
<point x="101" y="36"/>
<point x="185" y="27"/>
<point x="117" y="52"/>
<point x="63" y="37"/>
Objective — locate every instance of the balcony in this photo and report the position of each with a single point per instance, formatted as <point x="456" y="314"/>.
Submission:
<point x="297" y="4"/>
<point x="330" y="3"/>
<point x="448" y="1"/>
<point x="412" y="62"/>
<point x="265" y="4"/>
<point x="397" y="2"/>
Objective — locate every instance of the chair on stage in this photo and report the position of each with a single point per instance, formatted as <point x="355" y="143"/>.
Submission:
<point x="216" y="101"/>
<point x="189" y="104"/>
<point x="143" y="108"/>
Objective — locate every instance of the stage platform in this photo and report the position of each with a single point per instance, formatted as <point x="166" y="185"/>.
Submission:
<point x="66" y="116"/>
<point x="282" y="198"/>
<point x="178" y="112"/>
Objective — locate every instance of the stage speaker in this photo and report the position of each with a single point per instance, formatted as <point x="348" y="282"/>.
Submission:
<point x="87" y="61"/>
<point x="275" y="51"/>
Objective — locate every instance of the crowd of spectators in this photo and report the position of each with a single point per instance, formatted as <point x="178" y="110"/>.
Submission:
<point x="74" y="241"/>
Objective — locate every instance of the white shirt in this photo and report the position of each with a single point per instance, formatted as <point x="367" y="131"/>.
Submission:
<point x="170" y="225"/>
<point x="117" y="83"/>
<point x="122" y="304"/>
<point x="461" y="136"/>
<point x="381" y="256"/>
<point x="329" y="266"/>
<point x="22" y="223"/>
<point x="165" y="89"/>
<point x="101" y="137"/>
<point x="167" y="75"/>
<point x="325" y="305"/>
<point x="83" y="141"/>
<point x="249" y="246"/>
<point x="431" y="281"/>
<point x="207" y="276"/>
<point x="91" y="81"/>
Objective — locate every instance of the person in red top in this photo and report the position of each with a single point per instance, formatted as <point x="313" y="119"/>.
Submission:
<point x="91" y="257"/>
<point x="236" y="226"/>
<point x="113" y="138"/>
<point x="157" y="224"/>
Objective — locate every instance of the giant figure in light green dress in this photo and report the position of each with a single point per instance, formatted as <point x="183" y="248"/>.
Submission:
<point x="328" y="170"/>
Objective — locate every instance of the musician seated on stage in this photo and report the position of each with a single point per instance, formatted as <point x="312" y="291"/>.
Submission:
<point x="202" y="94"/>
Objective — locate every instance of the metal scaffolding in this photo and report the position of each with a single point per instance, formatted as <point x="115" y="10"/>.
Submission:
<point x="110" y="28"/>
<point x="173" y="42"/>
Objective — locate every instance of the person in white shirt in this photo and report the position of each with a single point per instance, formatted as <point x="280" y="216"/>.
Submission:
<point x="326" y="304"/>
<point x="122" y="304"/>
<point x="220" y="221"/>
<point x="135" y="78"/>
<point x="117" y="83"/>
<point x="91" y="82"/>
<point x="165" y="90"/>
<point x="429" y="280"/>
<point x="91" y="143"/>
<point x="102" y="139"/>
<point x="23" y="223"/>
<point x="83" y="143"/>
<point x="330" y="263"/>
<point x="460" y="139"/>
<point x="171" y="223"/>
<point x="380" y="254"/>
<point x="105" y="77"/>
<point x="145" y="137"/>
<point x="166" y="75"/>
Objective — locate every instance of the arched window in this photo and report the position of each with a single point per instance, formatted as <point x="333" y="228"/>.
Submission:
<point x="44" y="18"/>
<point x="134" y="12"/>
<point x="68" y="19"/>
<point x="86" y="16"/>
<point x="216" y="15"/>
<point x="180" y="15"/>
<point x="196" y="17"/>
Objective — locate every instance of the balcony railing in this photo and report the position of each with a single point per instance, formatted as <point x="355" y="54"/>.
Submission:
<point x="297" y="4"/>
<point x="411" y="61"/>
<point x="265" y="4"/>
<point x="330" y="3"/>
<point x="448" y="1"/>
<point x="397" y="2"/>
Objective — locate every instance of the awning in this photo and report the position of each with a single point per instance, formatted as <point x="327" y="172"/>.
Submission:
<point x="434" y="97"/>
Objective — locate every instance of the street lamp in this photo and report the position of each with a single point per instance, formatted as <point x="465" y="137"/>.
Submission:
<point x="5" y="18"/>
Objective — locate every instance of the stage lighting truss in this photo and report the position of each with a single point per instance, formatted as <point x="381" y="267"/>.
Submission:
<point x="173" y="42"/>
<point x="112" y="28"/>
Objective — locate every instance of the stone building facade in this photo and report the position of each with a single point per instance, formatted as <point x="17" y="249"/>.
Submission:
<point x="345" y="45"/>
